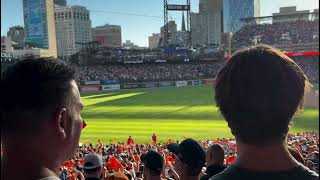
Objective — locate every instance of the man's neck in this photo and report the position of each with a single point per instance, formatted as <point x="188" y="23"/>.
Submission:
<point x="275" y="157"/>
<point x="24" y="163"/>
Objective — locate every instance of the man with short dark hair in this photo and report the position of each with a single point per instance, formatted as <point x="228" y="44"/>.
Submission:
<point x="190" y="158"/>
<point x="41" y="121"/>
<point x="153" y="165"/>
<point x="258" y="92"/>
<point x="214" y="161"/>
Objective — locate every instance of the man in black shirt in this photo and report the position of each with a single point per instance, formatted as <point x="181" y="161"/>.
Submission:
<point x="258" y="92"/>
<point x="214" y="160"/>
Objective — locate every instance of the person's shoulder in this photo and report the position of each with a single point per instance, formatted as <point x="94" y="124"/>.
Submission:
<point x="300" y="172"/>
<point x="306" y="173"/>
<point x="228" y="173"/>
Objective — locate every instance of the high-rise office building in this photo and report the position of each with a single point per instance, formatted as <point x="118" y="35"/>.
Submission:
<point x="73" y="27"/>
<point x="107" y="35"/>
<point x="212" y="6"/>
<point x="6" y="44"/>
<point x="235" y="10"/>
<point x="172" y="28"/>
<point x="39" y="24"/>
<point x="207" y="26"/>
<point x="154" y="40"/>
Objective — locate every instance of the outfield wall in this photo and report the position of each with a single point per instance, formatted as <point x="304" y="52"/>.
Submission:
<point x="91" y="86"/>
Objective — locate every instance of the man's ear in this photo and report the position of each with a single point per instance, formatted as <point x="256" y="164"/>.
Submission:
<point x="61" y="118"/>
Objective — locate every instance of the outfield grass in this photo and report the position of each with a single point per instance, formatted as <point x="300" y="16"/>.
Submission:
<point x="172" y="113"/>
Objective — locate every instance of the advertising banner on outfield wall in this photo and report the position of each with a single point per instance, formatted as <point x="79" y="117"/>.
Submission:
<point x="181" y="83"/>
<point x="109" y="82"/>
<point x="167" y="84"/>
<point x="110" y="87"/>
<point x="151" y="85"/>
<point x="130" y="86"/>
<point x="90" y="88"/>
<point x="92" y="82"/>
<point x="196" y="82"/>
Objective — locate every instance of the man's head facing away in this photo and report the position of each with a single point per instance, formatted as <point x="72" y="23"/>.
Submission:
<point x="41" y="101"/>
<point x="258" y="92"/>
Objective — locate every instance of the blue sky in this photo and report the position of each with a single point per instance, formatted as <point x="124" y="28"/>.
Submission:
<point x="136" y="28"/>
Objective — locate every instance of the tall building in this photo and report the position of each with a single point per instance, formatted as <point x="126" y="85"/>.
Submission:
<point x="212" y="6"/>
<point x="172" y="28"/>
<point x="183" y="24"/>
<point x="154" y="40"/>
<point x="207" y="25"/>
<point x="235" y="10"/>
<point x="290" y="13"/>
<point x="60" y="2"/>
<point x="39" y="24"/>
<point x="17" y="34"/>
<point x="73" y="26"/>
<point x="6" y="44"/>
<point x="107" y="35"/>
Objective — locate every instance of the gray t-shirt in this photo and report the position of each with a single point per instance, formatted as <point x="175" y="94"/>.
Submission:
<point x="298" y="173"/>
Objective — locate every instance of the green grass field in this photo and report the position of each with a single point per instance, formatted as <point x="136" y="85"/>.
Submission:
<point x="172" y="113"/>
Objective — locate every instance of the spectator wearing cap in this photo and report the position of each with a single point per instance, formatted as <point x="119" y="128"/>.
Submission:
<point x="190" y="158"/>
<point x="214" y="161"/>
<point x="258" y="92"/>
<point x="41" y="125"/>
<point x="153" y="165"/>
<point x="93" y="167"/>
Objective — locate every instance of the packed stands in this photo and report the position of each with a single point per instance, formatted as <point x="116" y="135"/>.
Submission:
<point x="150" y="72"/>
<point x="279" y="34"/>
<point x="126" y="158"/>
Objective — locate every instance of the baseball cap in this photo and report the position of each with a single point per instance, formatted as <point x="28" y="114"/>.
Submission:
<point x="152" y="160"/>
<point x="92" y="161"/>
<point x="117" y="176"/>
<point x="190" y="152"/>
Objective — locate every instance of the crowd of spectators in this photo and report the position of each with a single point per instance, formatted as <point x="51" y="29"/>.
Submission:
<point x="277" y="33"/>
<point x="126" y="158"/>
<point x="165" y="71"/>
<point x="310" y="66"/>
<point x="150" y="72"/>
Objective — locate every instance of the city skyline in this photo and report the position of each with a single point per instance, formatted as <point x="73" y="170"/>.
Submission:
<point x="139" y="19"/>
